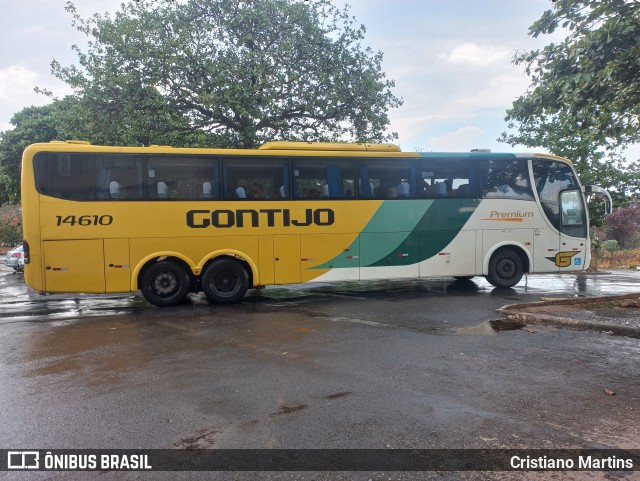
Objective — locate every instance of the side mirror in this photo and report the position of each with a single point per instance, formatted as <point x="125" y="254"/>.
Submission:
<point x="600" y="192"/>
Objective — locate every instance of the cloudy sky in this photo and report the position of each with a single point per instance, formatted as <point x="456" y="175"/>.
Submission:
<point x="450" y="59"/>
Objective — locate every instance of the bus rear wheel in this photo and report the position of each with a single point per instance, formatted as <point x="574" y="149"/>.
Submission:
<point x="505" y="268"/>
<point x="165" y="283"/>
<point x="225" y="281"/>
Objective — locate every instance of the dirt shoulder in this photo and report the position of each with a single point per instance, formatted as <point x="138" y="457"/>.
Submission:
<point x="616" y="314"/>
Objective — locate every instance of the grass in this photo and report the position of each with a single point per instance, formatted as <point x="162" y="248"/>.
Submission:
<point x="622" y="259"/>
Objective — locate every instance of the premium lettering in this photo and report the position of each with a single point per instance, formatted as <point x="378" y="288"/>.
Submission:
<point x="225" y="218"/>
<point x="510" y="215"/>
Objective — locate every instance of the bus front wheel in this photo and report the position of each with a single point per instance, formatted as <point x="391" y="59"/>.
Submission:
<point x="165" y="283"/>
<point x="225" y="281"/>
<point x="505" y="268"/>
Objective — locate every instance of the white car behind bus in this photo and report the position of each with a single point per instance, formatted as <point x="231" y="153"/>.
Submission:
<point x="15" y="258"/>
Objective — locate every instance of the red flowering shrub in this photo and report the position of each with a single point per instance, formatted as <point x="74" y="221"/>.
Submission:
<point x="10" y="228"/>
<point x="623" y="225"/>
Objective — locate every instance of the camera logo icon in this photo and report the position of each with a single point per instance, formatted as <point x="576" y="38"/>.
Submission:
<point x="23" y="460"/>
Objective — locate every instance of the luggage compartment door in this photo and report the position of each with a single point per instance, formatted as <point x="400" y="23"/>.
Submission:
<point x="74" y="266"/>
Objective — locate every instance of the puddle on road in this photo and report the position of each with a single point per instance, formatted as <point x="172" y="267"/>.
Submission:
<point x="338" y="395"/>
<point x="291" y="409"/>
<point x="490" y="328"/>
<point x="486" y="328"/>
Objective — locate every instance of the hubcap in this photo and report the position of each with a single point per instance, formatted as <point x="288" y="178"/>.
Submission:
<point x="506" y="268"/>
<point x="225" y="282"/>
<point x="165" y="284"/>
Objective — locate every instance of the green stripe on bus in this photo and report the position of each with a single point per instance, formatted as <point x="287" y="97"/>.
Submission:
<point x="440" y="224"/>
<point x="390" y="225"/>
<point x="407" y="232"/>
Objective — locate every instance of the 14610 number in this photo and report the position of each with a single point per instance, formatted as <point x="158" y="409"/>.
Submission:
<point x="84" y="220"/>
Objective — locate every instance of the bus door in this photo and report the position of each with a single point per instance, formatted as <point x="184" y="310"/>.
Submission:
<point x="546" y="246"/>
<point x="74" y="266"/>
<point x="286" y="257"/>
<point x="561" y="242"/>
<point x="117" y="271"/>
<point x="573" y="231"/>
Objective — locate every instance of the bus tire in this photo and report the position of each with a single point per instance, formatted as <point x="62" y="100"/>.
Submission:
<point x="505" y="268"/>
<point x="165" y="283"/>
<point x="225" y="281"/>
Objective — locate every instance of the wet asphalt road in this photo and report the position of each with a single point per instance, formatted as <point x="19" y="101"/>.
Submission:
<point x="356" y="365"/>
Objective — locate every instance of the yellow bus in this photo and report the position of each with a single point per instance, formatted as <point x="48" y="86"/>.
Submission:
<point x="170" y="221"/>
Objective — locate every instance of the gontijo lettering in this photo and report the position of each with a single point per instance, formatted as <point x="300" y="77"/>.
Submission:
<point x="224" y="218"/>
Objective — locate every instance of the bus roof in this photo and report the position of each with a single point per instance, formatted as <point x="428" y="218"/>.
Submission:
<point x="330" y="146"/>
<point x="285" y="146"/>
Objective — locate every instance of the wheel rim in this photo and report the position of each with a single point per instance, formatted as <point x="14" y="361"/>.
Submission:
<point x="505" y="268"/>
<point x="225" y="282"/>
<point x="165" y="284"/>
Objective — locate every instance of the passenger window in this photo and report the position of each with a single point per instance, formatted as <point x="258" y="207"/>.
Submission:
<point x="119" y="177"/>
<point x="255" y="178"/>
<point x="386" y="179"/>
<point x="182" y="177"/>
<point x="505" y="178"/>
<point x="65" y="176"/>
<point x="447" y="177"/>
<point x="314" y="178"/>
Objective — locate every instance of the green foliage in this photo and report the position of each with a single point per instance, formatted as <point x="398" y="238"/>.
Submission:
<point x="610" y="245"/>
<point x="228" y="73"/>
<point x="31" y="124"/>
<point x="9" y="187"/>
<point x="584" y="99"/>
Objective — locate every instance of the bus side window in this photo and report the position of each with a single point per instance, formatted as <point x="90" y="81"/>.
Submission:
<point x="448" y="177"/>
<point x="177" y="177"/>
<point x="119" y="177"/>
<point x="506" y="178"/>
<point x="330" y="178"/>
<point x="387" y="179"/>
<point x="65" y="175"/>
<point x="256" y="178"/>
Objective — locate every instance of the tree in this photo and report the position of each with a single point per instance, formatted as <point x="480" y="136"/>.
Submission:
<point x="31" y="124"/>
<point x="229" y="73"/>
<point x="584" y="98"/>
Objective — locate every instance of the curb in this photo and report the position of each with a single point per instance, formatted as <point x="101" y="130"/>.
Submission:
<point x="518" y="312"/>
